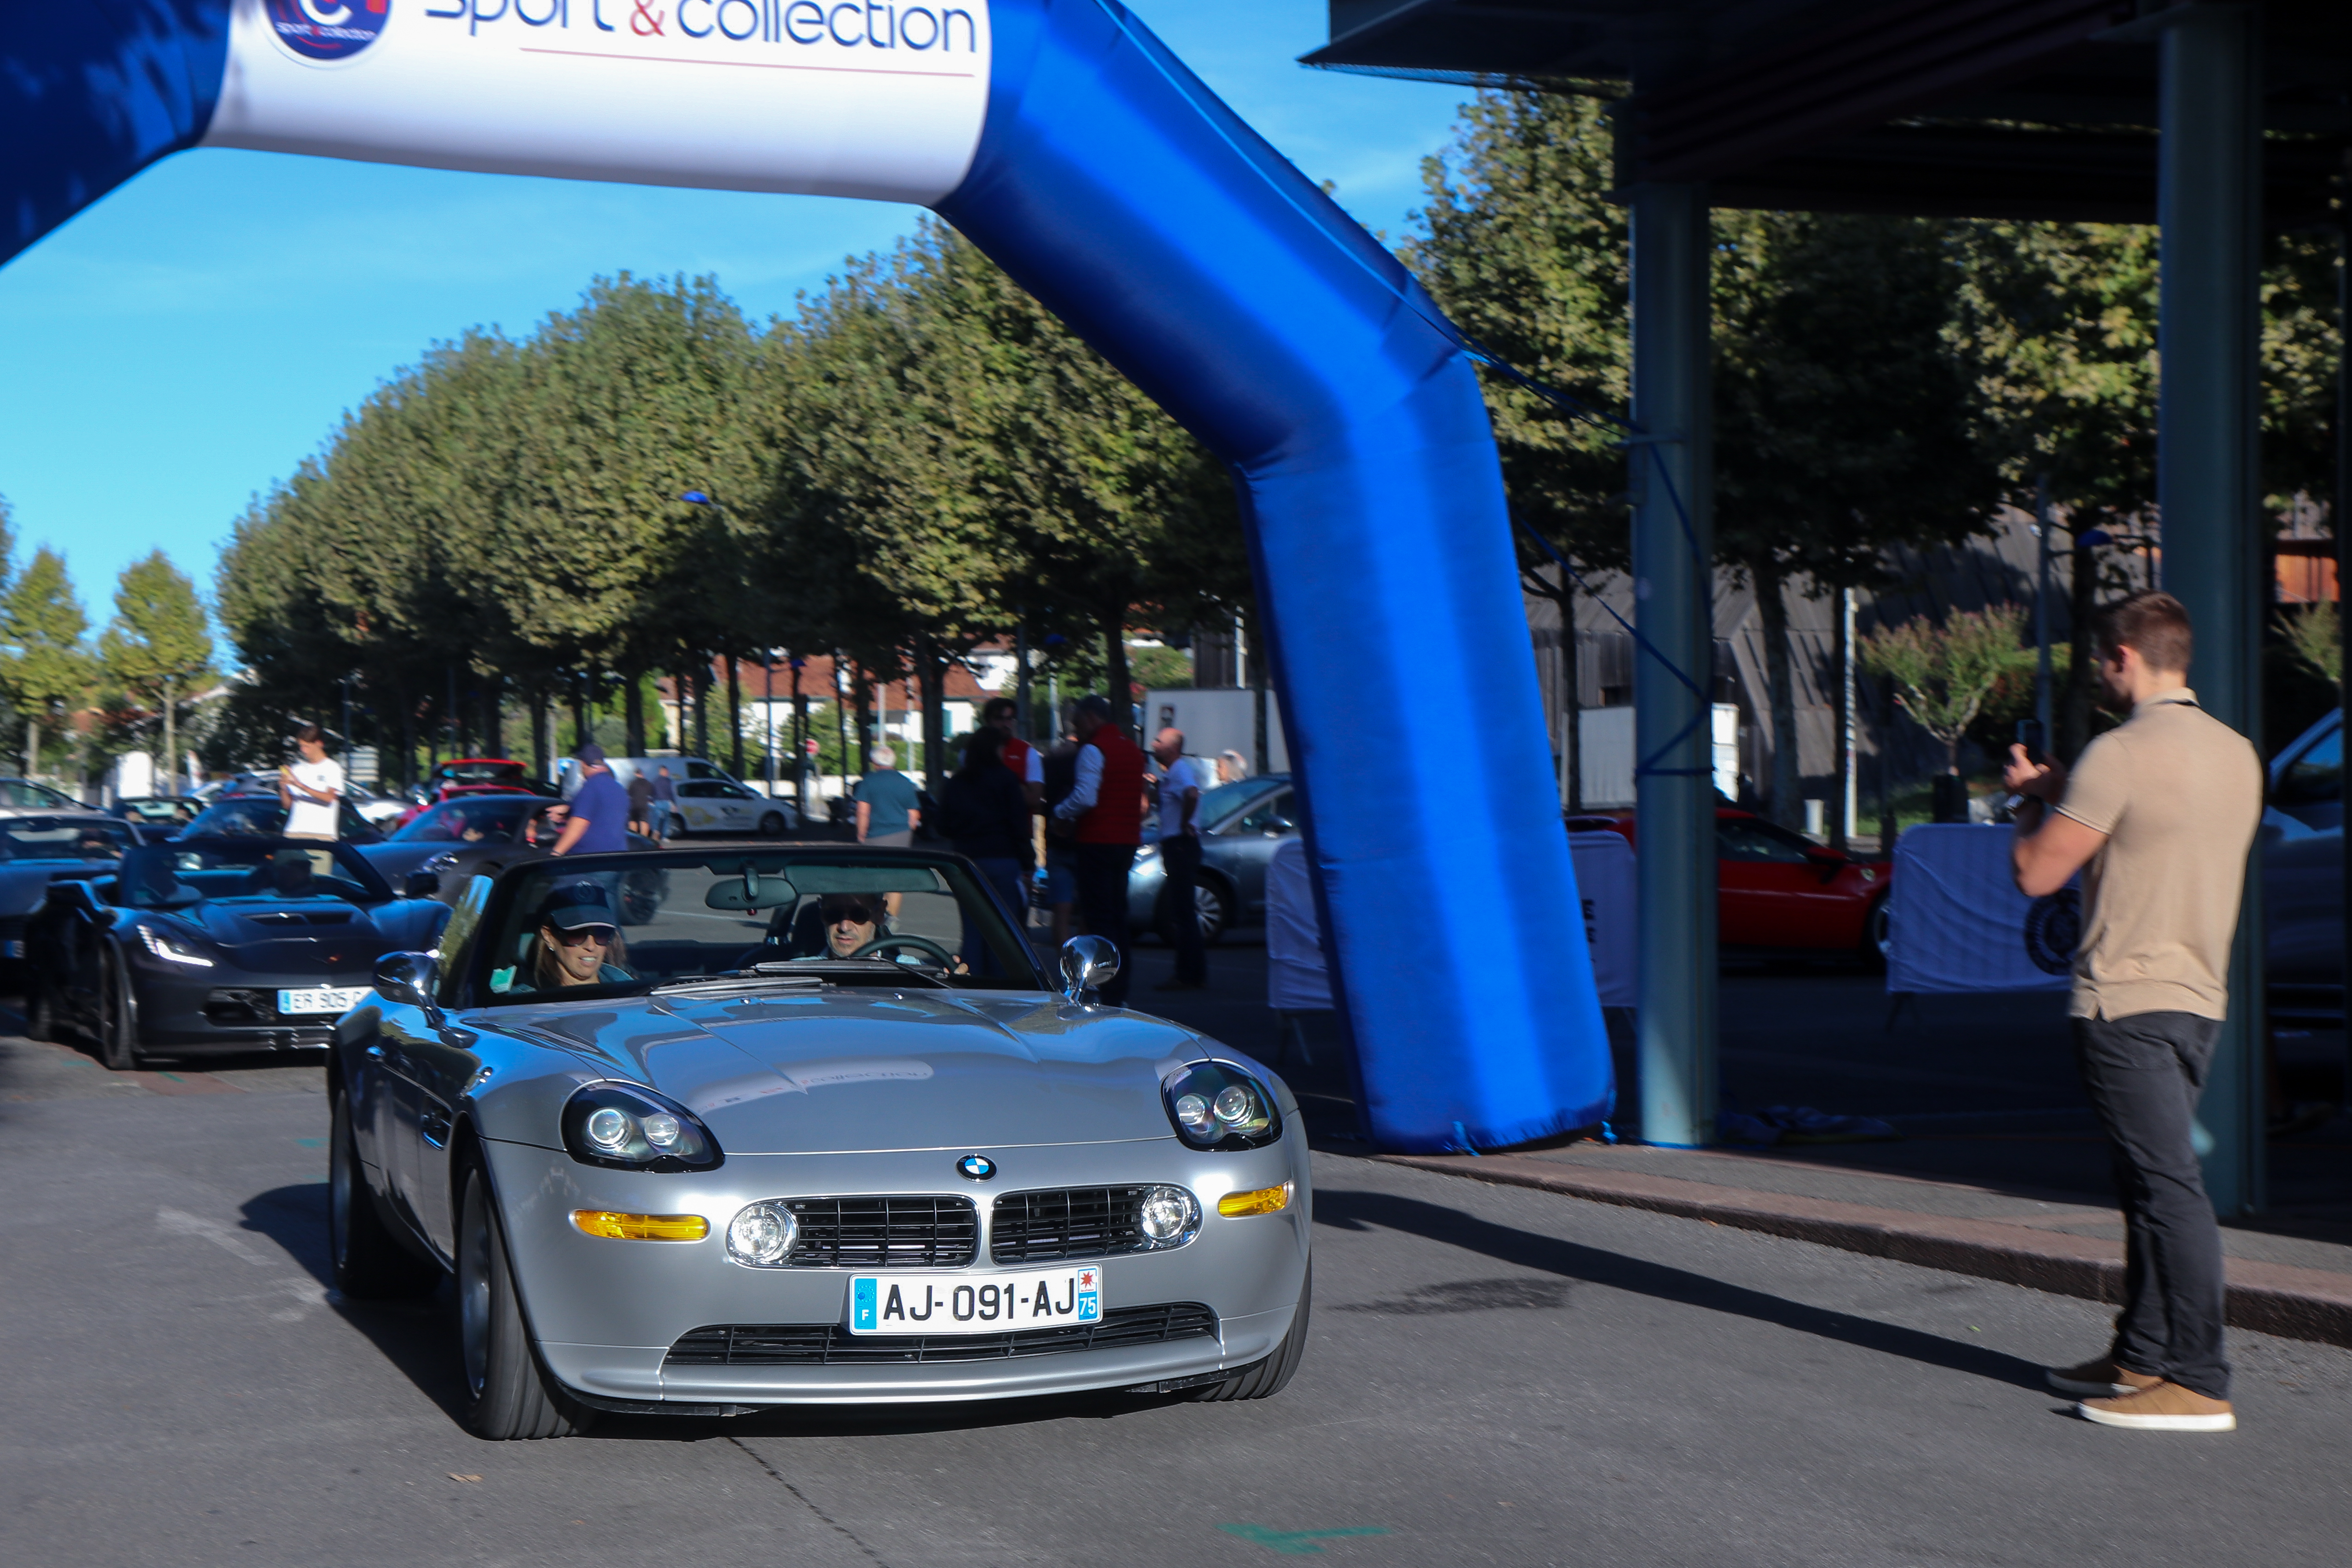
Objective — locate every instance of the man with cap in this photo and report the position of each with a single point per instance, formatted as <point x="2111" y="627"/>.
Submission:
<point x="600" y="812"/>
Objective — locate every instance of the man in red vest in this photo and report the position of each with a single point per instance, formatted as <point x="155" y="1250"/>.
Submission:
<point x="1107" y="806"/>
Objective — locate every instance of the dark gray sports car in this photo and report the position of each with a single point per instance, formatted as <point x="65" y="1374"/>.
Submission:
<point x="35" y="851"/>
<point x="210" y="945"/>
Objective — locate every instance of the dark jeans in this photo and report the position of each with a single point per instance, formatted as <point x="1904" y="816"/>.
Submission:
<point x="1181" y="856"/>
<point x="1008" y="876"/>
<point x="2144" y="1074"/>
<point x="1102" y="906"/>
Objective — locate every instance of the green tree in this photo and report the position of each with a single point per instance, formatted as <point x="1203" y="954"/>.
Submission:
<point x="44" y="668"/>
<point x="158" y="648"/>
<point x="1943" y="675"/>
<point x="2314" y="636"/>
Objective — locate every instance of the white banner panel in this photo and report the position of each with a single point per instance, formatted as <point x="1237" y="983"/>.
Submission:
<point x="881" y="102"/>
<point x="1960" y="924"/>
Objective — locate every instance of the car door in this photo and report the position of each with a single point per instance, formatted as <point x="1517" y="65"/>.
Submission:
<point x="77" y="917"/>
<point x="1768" y="889"/>
<point x="428" y="1065"/>
<point x="742" y="809"/>
<point x="696" y="804"/>
<point x="1248" y="842"/>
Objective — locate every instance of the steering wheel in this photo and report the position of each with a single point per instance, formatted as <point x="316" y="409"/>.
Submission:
<point x="947" y="960"/>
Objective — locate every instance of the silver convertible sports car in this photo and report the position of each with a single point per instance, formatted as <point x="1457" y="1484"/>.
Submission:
<point x="818" y="1130"/>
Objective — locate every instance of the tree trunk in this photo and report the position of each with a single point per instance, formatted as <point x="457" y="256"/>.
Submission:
<point x="633" y="709"/>
<point x="543" y="758"/>
<point x="701" y="684"/>
<point x="581" y="730"/>
<point x="494" y="728"/>
<point x="1122" y="687"/>
<point x="861" y="693"/>
<point x="32" y="747"/>
<point x="841" y="718"/>
<point x="1845" y="711"/>
<point x="932" y="673"/>
<point x="735" y="712"/>
<point x="1887" y="769"/>
<point x="454" y="716"/>
<point x="170" y="740"/>
<point x="1781" y="804"/>
<point x="407" y="739"/>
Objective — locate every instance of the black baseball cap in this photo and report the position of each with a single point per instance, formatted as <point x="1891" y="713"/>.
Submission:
<point x="575" y="905"/>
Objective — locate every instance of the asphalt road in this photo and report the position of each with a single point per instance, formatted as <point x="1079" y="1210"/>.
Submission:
<point x="1496" y="1376"/>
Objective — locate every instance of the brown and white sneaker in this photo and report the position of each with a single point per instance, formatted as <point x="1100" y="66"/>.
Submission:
<point x="2101" y="1379"/>
<point x="2167" y="1407"/>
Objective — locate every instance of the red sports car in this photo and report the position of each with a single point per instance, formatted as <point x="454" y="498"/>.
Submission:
<point x="1779" y="891"/>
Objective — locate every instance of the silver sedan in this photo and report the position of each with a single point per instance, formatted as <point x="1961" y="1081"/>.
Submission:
<point x="818" y="1131"/>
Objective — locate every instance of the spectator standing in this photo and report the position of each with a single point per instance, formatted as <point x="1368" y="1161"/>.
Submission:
<point x="1179" y="857"/>
<point x="1028" y="764"/>
<point x="2158" y="815"/>
<point x="1107" y="805"/>
<point x="641" y="801"/>
<point x="1061" y="771"/>
<point x="889" y="807"/>
<point x="312" y="788"/>
<point x="986" y="815"/>
<point x="600" y="812"/>
<point x="1231" y="767"/>
<point x="665" y="803"/>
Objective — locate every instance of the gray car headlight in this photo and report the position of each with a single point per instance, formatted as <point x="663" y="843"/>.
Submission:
<point x="628" y="1129"/>
<point x="1216" y="1105"/>
<point x="762" y="1234"/>
<point x="173" y="948"/>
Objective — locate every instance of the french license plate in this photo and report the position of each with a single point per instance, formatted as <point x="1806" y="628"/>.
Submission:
<point x="322" y="999"/>
<point x="966" y="1304"/>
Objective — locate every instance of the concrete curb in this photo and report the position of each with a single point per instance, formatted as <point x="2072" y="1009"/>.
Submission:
<point x="2270" y="1298"/>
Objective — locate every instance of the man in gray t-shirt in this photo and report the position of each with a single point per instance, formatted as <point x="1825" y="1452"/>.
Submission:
<point x="2159" y="815"/>
<point x="888" y="804"/>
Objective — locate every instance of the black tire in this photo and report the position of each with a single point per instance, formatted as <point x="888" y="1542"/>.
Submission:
<point x="1877" y="936"/>
<point x="1269" y="1378"/>
<point x="1210" y="907"/>
<point x="370" y="1264"/>
<point x="508" y="1395"/>
<point x="772" y="824"/>
<point x="40" y="1016"/>
<point x="118" y="1020"/>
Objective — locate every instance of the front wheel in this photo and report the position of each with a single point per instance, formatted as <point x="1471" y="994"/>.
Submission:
<point x="40" y="1016"/>
<point x="118" y="1020"/>
<point x="369" y="1263"/>
<point x="507" y="1394"/>
<point x="1877" y="944"/>
<point x="1271" y="1376"/>
<point x="772" y="824"/>
<point x="1209" y="911"/>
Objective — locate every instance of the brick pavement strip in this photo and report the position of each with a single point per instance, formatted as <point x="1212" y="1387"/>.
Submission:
<point x="2271" y="1298"/>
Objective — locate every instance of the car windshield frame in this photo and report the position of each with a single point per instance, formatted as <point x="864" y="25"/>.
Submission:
<point x="526" y="807"/>
<point x="1227" y="802"/>
<point x="11" y="851"/>
<point x="467" y="977"/>
<point x="349" y="865"/>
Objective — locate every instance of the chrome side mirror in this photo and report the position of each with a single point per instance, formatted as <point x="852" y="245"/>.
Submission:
<point x="410" y="979"/>
<point x="1088" y="963"/>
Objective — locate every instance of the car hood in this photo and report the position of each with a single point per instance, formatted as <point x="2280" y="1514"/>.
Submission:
<point x="853" y="1070"/>
<point x="269" y="936"/>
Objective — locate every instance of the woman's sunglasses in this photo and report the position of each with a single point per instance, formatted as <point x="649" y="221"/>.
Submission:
<point x="601" y="935"/>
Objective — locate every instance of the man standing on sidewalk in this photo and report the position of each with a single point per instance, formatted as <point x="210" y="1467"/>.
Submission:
<point x="599" y="823"/>
<point x="2158" y="815"/>
<point x="1179" y="855"/>
<point x="1107" y="806"/>
<point x="1028" y="764"/>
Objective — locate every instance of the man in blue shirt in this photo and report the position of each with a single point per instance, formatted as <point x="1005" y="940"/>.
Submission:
<point x="888" y="805"/>
<point x="600" y="812"/>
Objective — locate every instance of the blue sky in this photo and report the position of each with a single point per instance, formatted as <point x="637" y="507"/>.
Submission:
<point x="177" y="348"/>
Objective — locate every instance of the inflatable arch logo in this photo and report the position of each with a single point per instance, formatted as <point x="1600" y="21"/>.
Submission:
<point x="1066" y="141"/>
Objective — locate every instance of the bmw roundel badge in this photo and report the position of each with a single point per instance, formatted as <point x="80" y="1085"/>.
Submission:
<point x="975" y="1167"/>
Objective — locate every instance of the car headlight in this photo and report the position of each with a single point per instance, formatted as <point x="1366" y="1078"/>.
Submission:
<point x="1217" y="1106"/>
<point x="1168" y="1217"/>
<point x="172" y="949"/>
<point x="762" y="1236"/>
<point x="440" y="863"/>
<point x="628" y="1129"/>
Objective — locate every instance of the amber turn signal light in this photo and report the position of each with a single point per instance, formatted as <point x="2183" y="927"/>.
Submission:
<point x="1266" y="1200"/>
<point x="641" y="1226"/>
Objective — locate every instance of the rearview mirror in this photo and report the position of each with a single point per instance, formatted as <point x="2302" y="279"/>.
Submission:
<point x="749" y="893"/>
<point x="1088" y="963"/>
<point x="409" y="979"/>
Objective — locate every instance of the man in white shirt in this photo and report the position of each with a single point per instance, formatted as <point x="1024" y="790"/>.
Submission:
<point x="312" y="789"/>
<point x="1179" y="854"/>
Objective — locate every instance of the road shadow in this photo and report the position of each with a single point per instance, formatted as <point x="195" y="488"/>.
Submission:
<point x="1344" y="1209"/>
<point x="831" y="1421"/>
<point x="419" y="1336"/>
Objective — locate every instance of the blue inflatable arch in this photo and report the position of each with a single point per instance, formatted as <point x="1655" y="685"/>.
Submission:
<point x="1072" y="147"/>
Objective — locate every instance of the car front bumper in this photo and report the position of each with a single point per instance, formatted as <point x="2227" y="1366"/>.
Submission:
<point x="606" y="1314"/>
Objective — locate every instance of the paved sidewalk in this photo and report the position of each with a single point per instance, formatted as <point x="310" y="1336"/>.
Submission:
<point x="2298" y="1286"/>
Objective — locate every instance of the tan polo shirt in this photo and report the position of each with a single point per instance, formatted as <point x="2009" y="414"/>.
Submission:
<point x="2179" y="794"/>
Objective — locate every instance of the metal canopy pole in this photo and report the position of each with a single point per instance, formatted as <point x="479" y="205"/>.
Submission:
<point x="1669" y="465"/>
<point x="2209" y="197"/>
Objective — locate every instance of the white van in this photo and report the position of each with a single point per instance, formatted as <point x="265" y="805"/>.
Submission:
<point x="710" y="798"/>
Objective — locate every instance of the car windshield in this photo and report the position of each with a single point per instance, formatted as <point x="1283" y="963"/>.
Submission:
<point x="174" y="874"/>
<point x="477" y="769"/>
<point x="62" y="839"/>
<point x="473" y="819"/>
<point x="606" y="925"/>
<point x="25" y="792"/>
<point x="1228" y="801"/>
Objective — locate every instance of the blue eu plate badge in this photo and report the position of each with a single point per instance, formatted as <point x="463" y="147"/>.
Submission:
<point x="1089" y="1295"/>
<point x="862" y="1305"/>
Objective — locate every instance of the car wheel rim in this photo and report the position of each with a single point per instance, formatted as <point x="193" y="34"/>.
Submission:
<point x="1207" y="911"/>
<point x="474" y="1296"/>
